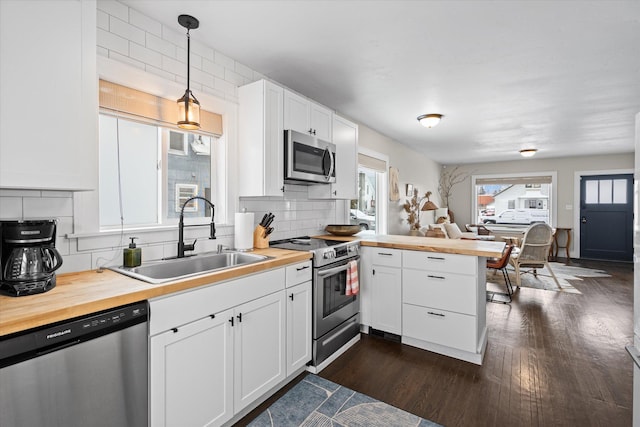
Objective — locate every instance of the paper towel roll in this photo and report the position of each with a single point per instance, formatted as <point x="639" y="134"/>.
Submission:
<point x="243" y="240"/>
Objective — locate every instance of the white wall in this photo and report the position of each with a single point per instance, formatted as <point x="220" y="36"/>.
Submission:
<point x="414" y="168"/>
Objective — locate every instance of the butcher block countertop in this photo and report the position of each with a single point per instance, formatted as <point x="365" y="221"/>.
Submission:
<point x="480" y="248"/>
<point x="86" y="292"/>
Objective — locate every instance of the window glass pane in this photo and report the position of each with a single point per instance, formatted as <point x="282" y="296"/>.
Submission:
<point x="620" y="191"/>
<point x="136" y="147"/>
<point x="605" y="191"/>
<point x="189" y="172"/>
<point x="591" y="190"/>
<point x="513" y="204"/>
<point x="363" y="209"/>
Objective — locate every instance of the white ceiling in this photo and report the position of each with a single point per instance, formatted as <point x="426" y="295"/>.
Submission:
<point x="559" y="76"/>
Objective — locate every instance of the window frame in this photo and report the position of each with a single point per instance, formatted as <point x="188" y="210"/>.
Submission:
<point x="553" y="199"/>
<point x="85" y="204"/>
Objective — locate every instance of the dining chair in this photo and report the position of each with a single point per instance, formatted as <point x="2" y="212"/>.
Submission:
<point x="533" y="252"/>
<point x="501" y="264"/>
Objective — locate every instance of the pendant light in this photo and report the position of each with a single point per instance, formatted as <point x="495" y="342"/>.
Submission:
<point x="188" y="105"/>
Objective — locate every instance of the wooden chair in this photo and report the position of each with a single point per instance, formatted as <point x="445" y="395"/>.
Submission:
<point x="501" y="264"/>
<point x="534" y="252"/>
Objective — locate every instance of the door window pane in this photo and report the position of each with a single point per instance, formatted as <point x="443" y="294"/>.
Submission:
<point x="620" y="191"/>
<point x="591" y="189"/>
<point x="363" y="209"/>
<point x="605" y="191"/>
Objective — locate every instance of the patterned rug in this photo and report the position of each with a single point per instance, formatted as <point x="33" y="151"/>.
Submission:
<point x="315" y="401"/>
<point x="544" y="281"/>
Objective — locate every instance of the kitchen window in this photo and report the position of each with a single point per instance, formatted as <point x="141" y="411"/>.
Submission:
<point x="148" y="170"/>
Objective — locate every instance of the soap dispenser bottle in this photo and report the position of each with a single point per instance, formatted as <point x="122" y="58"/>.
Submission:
<point x="132" y="256"/>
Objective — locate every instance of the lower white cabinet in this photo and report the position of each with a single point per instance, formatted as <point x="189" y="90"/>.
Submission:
<point x="386" y="299"/>
<point x="259" y="348"/>
<point x="207" y="366"/>
<point x="298" y="326"/>
<point x="191" y="373"/>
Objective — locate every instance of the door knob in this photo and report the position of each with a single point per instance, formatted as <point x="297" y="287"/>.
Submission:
<point x="583" y="220"/>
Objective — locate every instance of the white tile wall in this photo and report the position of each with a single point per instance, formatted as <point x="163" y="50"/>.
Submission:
<point x="125" y="35"/>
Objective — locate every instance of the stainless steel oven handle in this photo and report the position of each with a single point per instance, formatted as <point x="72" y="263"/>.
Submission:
<point x="322" y="273"/>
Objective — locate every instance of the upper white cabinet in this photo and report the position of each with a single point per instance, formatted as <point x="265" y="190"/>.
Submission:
<point x="261" y="140"/>
<point x="345" y="137"/>
<point x="49" y="102"/>
<point x="303" y="115"/>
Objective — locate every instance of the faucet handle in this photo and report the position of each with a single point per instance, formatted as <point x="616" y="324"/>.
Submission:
<point x="190" y="247"/>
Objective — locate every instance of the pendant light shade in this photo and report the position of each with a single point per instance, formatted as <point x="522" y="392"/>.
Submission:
<point x="430" y="120"/>
<point x="188" y="105"/>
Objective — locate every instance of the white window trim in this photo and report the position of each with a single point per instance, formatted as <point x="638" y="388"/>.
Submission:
<point x="575" y="252"/>
<point x="554" y="190"/>
<point x="382" y="204"/>
<point x="85" y="204"/>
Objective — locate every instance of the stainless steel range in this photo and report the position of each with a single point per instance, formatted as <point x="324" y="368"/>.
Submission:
<point x="336" y="316"/>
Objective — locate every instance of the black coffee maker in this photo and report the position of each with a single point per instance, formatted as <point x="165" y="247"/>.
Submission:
<point x="28" y="257"/>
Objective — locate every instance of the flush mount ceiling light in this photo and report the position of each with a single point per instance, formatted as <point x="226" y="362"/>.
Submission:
<point x="430" y="120"/>
<point x="188" y="105"/>
<point x="528" y="152"/>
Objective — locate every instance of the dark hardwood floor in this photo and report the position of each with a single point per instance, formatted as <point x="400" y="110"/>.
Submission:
<point x="553" y="359"/>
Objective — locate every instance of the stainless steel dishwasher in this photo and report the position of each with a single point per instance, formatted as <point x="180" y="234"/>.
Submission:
<point x="88" y="371"/>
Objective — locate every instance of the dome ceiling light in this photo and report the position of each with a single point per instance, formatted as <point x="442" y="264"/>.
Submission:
<point x="430" y="120"/>
<point x="528" y="152"/>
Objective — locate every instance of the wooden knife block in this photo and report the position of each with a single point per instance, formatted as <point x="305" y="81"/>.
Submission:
<point x="259" y="241"/>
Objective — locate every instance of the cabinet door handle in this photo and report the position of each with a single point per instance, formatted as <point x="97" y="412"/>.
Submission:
<point x="310" y="131"/>
<point x="239" y="316"/>
<point x="213" y="316"/>
<point x="302" y="268"/>
<point x="231" y="321"/>
<point x="436" y="277"/>
<point x="436" y="257"/>
<point x="291" y="296"/>
<point x="175" y="330"/>
<point x="435" y="314"/>
<point x="374" y="271"/>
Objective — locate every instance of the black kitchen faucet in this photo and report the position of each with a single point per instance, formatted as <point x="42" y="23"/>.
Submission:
<point x="212" y="234"/>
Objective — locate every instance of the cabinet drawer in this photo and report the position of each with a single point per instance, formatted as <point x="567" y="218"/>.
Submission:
<point x="453" y="263"/>
<point x="447" y="291"/>
<point x="440" y="327"/>
<point x="298" y="273"/>
<point x="386" y="257"/>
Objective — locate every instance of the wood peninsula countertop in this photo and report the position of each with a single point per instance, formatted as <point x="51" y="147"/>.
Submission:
<point x="480" y="248"/>
<point x="86" y="292"/>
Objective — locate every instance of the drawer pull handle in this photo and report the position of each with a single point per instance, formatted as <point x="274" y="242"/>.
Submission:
<point x="436" y="277"/>
<point x="384" y="254"/>
<point x="302" y="268"/>
<point x="436" y="258"/>
<point x="435" y="314"/>
<point x="175" y="330"/>
<point x="213" y="316"/>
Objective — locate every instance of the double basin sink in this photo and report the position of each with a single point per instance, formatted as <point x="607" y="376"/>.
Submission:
<point x="180" y="268"/>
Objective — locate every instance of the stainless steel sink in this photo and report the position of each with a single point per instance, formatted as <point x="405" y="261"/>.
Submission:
<point x="179" y="268"/>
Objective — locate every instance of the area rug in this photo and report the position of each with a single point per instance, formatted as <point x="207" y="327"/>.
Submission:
<point x="315" y="401"/>
<point x="544" y="281"/>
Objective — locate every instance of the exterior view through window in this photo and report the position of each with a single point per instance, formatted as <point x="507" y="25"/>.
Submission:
<point x="513" y="202"/>
<point x="147" y="172"/>
<point x="363" y="209"/>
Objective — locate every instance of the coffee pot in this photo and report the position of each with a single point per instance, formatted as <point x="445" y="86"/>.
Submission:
<point x="28" y="257"/>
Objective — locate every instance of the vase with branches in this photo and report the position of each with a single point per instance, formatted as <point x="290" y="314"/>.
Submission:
<point x="412" y="208"/>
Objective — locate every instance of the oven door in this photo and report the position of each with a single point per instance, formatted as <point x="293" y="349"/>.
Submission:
<point x="308" y="158"/>
<point x="331" y="305"/>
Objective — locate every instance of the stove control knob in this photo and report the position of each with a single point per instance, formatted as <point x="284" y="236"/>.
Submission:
<point x="329" y="254"/>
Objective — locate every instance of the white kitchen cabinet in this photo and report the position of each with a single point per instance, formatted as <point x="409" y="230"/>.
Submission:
<point x="444" y="304"/>
<point x="261" y="140"/>
<point x="306" y="116"/>
<point x="216" y="349"/>
<point x="385" y="290"/>
<point x="298" y="326"/>
<point x="191" y="373"/>
<point x="49" y="103"/>
<point x="259" y="348"/>
<point x="345" y="137"/>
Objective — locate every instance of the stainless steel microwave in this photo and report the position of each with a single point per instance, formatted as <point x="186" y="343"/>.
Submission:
<point x="307" y="159"/>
